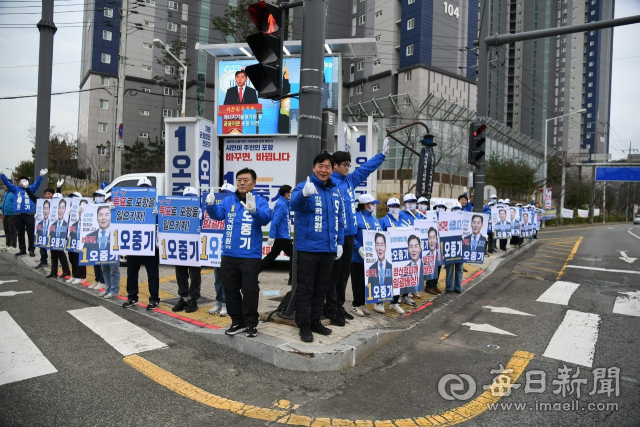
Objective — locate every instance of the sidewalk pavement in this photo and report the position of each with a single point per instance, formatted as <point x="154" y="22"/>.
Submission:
<point x="279" y="343"/>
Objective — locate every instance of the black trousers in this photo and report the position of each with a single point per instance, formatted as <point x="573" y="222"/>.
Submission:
<point x="313" y="281"/>
<point x="433" y="283"/>
<point x="183" y="273"/>
<point x="241" y="274"/>
<point x="153" y="276"/>
<point x="97" y="271"/>
<point x="44" y="257"/>
<point x="490" y="242"/>
<point x="9" y="225"/>
<point x="503" y="244"/>
<point x="25" y="222"/>
<point x="357" y="284"/>
<point x="59" y="256"/>
<point x="279" y="245"/>
<point x="340" y="271"/>
<point x="78" y="271"/>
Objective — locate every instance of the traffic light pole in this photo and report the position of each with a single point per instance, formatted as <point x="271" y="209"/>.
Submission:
<point x="481" y="107"/>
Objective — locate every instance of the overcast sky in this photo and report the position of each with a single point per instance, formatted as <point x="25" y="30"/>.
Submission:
<point x="19" y="75"/>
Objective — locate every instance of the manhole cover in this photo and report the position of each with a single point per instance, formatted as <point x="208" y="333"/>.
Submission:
<point x="493" y="346"/>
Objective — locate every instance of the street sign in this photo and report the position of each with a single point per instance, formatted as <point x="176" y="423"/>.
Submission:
<point x="104" y="185"/>
<point x="547" y="199"/>
<point x="120" y="131"/>
<point x="618" y="174"/>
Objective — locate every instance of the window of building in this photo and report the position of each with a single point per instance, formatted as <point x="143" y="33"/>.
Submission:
<point x="106" y="35"/>
<point x="106" y="58"/>
<point x="144" y="112"/>
<point x="378" y="37"/>
<point x="407" y="76"/>
<point x="104" y="81"/>
<point x="411" y="23"/>
<point x="183" y="30"/>
<point x="149" y="2"/>
<point x="185" y="12"/>
<point x="590" y="84"/>
<point x="352" y="68"/>
<point x="593" y="12"/>
<point x="166" y="112"/>
<point x="376" y="62"/>
<point x="146" y="45"/>
<point x="143" y="135"/>
<point x="361" y="20"/>
<point x="590" y="64"/>
<point x="163" y="135"/>
<point x="360" y="66"/>
<point x="351" y="91"/>
<point x="375" y="87"/>
<point x="591" y="53"/>
<point x="145" y="90"/>
<point x="591" y="74"/>
<point x="173" y="5"/>
<point x="353" y="27"/>
<point x="378" y="14"/>
<point x="168" y="91"/>
<point x="410" y="50"/>
<point x="589" y="115"/>
<point x="171" y="26"/>
<point x="102" y="127"/>
<point x="359" y="89"/>
<point x="149" y="24"/>
<point x="104" y="104"/>
<point x="589" y="105"/>
<point x="169" y="69"/>
<point x="102" y="150"/>
<point x="108" y="12"/>
<point x="146" y="68"/>
<point x="410" y="1"/>
<point x="590" y="95"/>
<point x="407" y="102"/>
<point x="354" y="6"/>
<point x="588" y="125"/>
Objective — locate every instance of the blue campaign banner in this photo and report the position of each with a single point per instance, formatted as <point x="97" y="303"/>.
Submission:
<point x="211" y="235"/>
<point x="378" y="270"/>
<point x="618" y="174"/>
<point x="133" y="221"/>
<point x="406" y="258"/>
<point x="179" y="230"/>
<point x="428" y="232"/>
<point x="450" y="227"/>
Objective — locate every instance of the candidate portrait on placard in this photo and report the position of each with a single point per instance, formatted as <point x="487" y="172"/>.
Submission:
<point x="514" y="218"/>
<point x="99" y="240"/>
<point x="42" y="227"/>
<point x="415" y="255"/>
<point x="502" y="227"/>
<point x="527" y="223"/>
<point x="474" y="244"/>
<point x="381" y="271"/>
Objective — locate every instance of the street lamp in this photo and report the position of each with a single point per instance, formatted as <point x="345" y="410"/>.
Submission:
<point x="546" y="132"/>
<point x="159" y="43"/>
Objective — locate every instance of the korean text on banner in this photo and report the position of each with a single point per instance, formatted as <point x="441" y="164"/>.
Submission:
<point x="567" y="213"/>
<point x="514" y="218"/>
<point x="134" y="222"/>
<point x="179" y="230"/>
<point x="583" y="213"/>
<point x="73" y="239"/>
<point x="428" y="232"/>
<point x="40" y="231"/>
<point x="474" y="237"/>
<point x="547" y="199"/>
<point x="406" y="258"/>
<point x="528" y="226"/>
<point x="58" y="225"/>
<point x="537" y="218"/>
<point x="500" y="222"/>
<point x="378" y="271"/>
<point x="450" y="229"/>
<point x="97" y="243"/>
<point x="211" y="236"/>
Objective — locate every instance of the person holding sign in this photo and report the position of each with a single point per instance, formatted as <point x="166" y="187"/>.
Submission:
<point x="319" y="238"/>
<point x="454" y="271"/>
<point x="244" y="216"/>
<point x="410" y="204"/>
<point x="423" y="207"/>
<point x="392" y="220"/>
<point x="55" y="231"/>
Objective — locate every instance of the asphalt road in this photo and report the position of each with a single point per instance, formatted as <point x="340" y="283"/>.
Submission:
<point x="94" y="386"/>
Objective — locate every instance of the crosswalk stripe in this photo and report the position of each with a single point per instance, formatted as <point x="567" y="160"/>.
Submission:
<point x="119" y="333"/>
<point x="20" y="359"/>
<point x="628" y="304"/>
<point x="575" y="339"/>
<point x="559" y="293"/>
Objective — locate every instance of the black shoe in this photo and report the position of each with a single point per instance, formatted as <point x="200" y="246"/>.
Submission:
<point x="333" y="316"/>
<point x="129" y="303"/>
<point x="344" y="313"/>
<point x="235" y="329"/>
<point x="449" y="292"/>
<point x="66" y="274"/>
<point x="153" y="305"/>
<point x="32" y="254"/>
<point x="52" y="274"/>
<point x="181" y="305"/>
<point x="192" y="305"/>
<point x="40" y="265"/>
<point x="319" y="328"/>
<point x="21" y="253"/>
<point x="252" y="332"/>
<point x="305" y="332"/>
<point x="458" y="292"/>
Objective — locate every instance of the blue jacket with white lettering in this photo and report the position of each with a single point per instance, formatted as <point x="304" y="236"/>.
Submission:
<point x="242" y="230"/>
<point x="22" y="203"/>
<point x="319" y="219"/>
<point x="347" y="183"/>
<point x="280" y="224"/>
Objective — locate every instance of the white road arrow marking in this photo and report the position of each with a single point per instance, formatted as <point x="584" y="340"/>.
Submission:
<point x="2" y="282"/>
<point x="628" y="303"/>
<point x="625" y="258"/>
<point x="506" y="310"/>
<point x="14" y="293"/>
<point x="485" y="327"/>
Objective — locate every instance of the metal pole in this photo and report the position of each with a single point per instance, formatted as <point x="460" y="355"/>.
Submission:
<point x="43" y="112"/>
<point x="184" y="91"/>
<point x="314" y="17"/>
<point x="122" y="70"/>
<point x="113" y="140"/>
<point x="481" y="107"/>
<point x="564" y="177"/>
<point x="604" y="201"/>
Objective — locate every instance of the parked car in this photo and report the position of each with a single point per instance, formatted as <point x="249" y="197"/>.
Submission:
<point x="636" y="220"/>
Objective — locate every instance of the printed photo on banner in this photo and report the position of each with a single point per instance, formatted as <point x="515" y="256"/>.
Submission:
<point x="74" y="222"/>
<point x="211" y="235"/>
<point x="378" y="270"/>
<point x="41" y="221"/>
<point x="514" y="218"/>
<point x="450" y="230"/>
<point x="134" y="222"/>
<point x="58" y="225"/>
<point x="527" y="223"/>
<point x="406" y="258"/>
<point x="428" y="232"/>
<point x="474" y="238"/>
<point x="501" y="223"/>
<point x="97" y="244"/>
<point x="179" y="230"/>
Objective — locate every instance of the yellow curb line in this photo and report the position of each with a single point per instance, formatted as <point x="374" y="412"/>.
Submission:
<point x="553" y="257"/>
<point x="554" y="252"/>
<point x="513" y="370"/>
<point x="573" y="252"/>
<point x="545" y="262"/>
<point x="560" y="244"/>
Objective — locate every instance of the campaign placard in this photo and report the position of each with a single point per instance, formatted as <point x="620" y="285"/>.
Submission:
<point x="406" y="258"/>
<point x="474" y="237"/>
<point x="97" y="243"/>
<point x="211" y="236"/>
<point x="179" y="230"/>
<point x="514" y="218"/>
<point x="501" y="224"/>
<point x="41" y="223"/>
<point x="528" y="223"/>
<point x="378" y="270"/>
<point x="428" y="232"/>
<point x="430" y="216"/>
<point x="58" y="225"/>
<point x="450" y="230"/>
<point x="134" y="223"/>
<point x="74" y="222"/>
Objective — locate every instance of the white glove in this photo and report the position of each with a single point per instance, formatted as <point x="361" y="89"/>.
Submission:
<point x="271" y="241"/>
<point x="308" y="188"/>
<point x="1" y="172"/>
<point x="211" y="198"/>
<point x="362" y="253"/>
<point x="112" y="206"/>
<point x="250" y="206"/>
<point x="60" y="183"/>
<point x="385" y="147"/>
<point x="339" y="253"/>
<point x="44" y="171"/>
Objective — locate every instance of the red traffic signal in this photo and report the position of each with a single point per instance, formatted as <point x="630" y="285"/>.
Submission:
<point x="476" y="142"/>
<point x="479" y="130"/>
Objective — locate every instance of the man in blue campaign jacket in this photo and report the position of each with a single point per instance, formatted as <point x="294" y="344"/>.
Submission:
<point x="280" y="231"/>
<point x="244" y="216"/>
<point x="24" y="209"/>
<point x="319" y="239"/>
<point x="345" y="182"/>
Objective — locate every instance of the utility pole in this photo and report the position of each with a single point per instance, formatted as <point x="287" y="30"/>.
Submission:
<point x="564" y="178"/>
<point x="47" y="30"/>
<point x="592" y="205"/>
<point x="122" y="69"/>
<point x="604" y="201"/>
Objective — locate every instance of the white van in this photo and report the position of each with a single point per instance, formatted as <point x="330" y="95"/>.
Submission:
<point x="131" y="180"/>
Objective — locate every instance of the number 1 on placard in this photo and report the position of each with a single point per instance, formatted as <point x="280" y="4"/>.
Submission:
<point x="203" y="255"/>
<point x="369" y="298"/>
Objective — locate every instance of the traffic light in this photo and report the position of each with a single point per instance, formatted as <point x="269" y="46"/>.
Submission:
<point x="476" y="142"/>
<point x="266" y="46"/>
